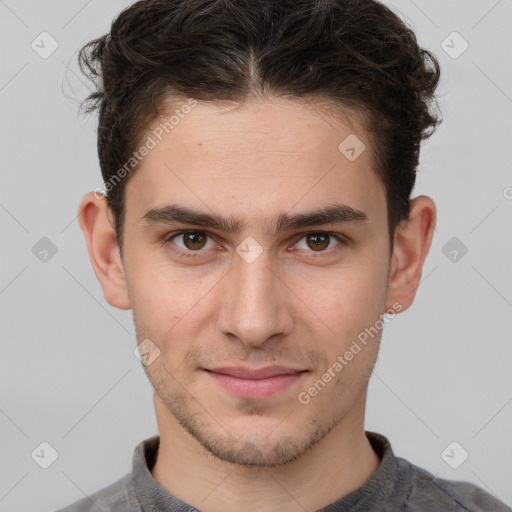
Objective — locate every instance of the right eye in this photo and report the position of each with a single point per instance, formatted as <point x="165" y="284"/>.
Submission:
<point x="192" y="242"/>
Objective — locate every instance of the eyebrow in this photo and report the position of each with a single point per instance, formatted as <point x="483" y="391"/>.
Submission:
<point x="330" y="214"/>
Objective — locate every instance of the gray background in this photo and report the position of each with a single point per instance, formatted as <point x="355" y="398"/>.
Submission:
<point x="68" y="375"/>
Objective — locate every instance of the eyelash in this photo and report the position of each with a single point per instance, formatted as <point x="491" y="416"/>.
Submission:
<point x="197" y="254"/>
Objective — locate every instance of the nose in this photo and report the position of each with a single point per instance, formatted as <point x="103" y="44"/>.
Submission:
<point x="255" y="302"/>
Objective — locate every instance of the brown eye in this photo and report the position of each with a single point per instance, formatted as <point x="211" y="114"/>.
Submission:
<point x="318" y="241"/>
<point x="192" y="244"/>
<point x="194" y="241"/>
<point x="189" y="242"/>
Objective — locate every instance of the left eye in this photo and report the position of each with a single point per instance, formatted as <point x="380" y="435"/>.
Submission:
<point x="319" y="241"/>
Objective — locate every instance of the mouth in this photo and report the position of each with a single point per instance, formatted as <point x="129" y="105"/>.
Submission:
<point x="251" y="383"/>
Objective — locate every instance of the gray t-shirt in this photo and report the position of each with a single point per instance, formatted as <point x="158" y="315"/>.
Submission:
<point x="396" y="486"/>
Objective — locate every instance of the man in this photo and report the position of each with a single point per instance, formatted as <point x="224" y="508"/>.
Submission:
<point x="258" y="159"/>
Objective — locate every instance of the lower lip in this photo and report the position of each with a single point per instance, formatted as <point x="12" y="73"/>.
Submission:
<point x="256" y="388"/>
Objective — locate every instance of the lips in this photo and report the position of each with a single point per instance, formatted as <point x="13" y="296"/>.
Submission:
<point x="255" y="383"/>
<point x="260" y="373"/>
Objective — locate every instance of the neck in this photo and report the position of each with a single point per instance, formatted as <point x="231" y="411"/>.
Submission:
<point x="337" y="465"/>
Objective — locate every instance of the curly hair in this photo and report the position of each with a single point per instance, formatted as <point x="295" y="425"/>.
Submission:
<point x="357" y="55"/>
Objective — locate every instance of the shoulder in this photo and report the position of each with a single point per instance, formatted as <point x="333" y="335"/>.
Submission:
<point x="430" y="494"/>
<point x="117" y="497"/>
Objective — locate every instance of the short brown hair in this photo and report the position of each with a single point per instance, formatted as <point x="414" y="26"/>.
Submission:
<point x="357" y="54"/>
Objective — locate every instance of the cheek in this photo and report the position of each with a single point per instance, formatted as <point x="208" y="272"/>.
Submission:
<point x="158" y="305"/>
<point x="350" y="304"/>
<point x="350" y="297"/>
<point x="161" y="290"/>
<point x="170" y="308"/>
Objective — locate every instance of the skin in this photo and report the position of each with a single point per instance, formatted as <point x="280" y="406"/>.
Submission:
<point x="295" y="305"/>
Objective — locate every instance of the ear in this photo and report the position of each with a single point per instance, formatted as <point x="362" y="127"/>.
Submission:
<point x="97" y="222"/>
<point x="413" y="238"/>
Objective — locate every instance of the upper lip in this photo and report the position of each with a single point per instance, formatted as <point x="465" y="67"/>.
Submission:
<point x="259" y="373"/>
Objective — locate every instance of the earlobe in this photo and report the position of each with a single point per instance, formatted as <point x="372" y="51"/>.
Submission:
<point x="96" y="222"/>
<point x="413" y="239"/>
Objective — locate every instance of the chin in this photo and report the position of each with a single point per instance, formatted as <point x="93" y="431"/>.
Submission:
<point x="255" y="453"/>
<point x="257" y="441"/>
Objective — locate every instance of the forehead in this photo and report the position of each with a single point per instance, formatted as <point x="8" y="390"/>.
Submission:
<point x="264" y="156"/>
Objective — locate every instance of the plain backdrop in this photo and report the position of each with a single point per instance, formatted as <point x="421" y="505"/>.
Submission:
<point x="68" y="376"/>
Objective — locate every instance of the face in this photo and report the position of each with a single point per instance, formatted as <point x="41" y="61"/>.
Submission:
<point x="287" y="298"/>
